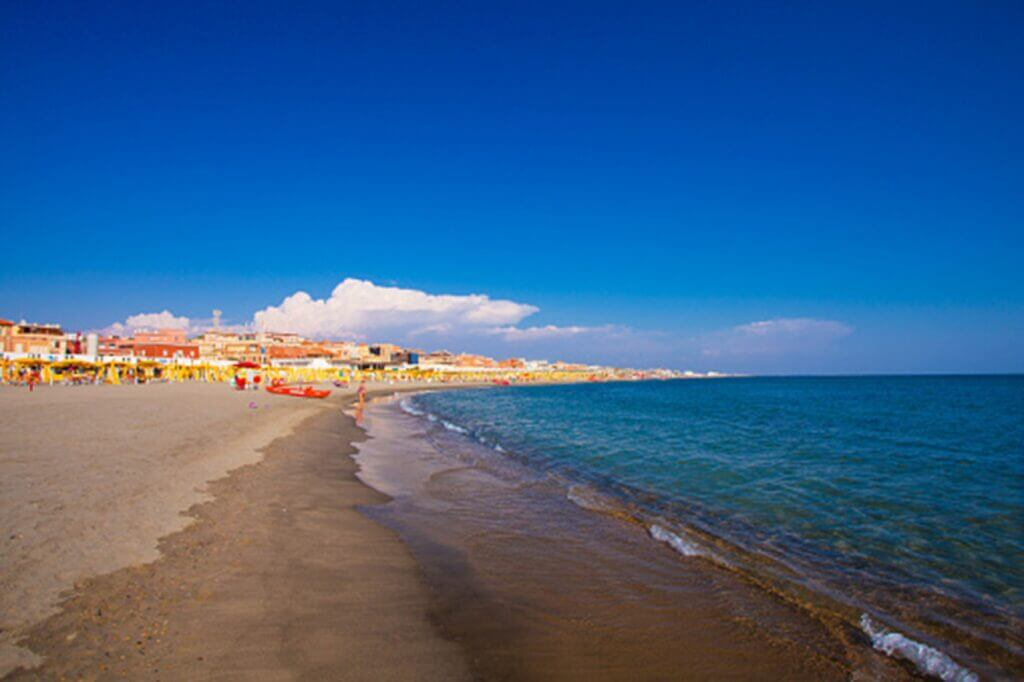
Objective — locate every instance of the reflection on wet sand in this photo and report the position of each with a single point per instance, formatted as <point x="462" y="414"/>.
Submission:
<point x="534" y="587"/>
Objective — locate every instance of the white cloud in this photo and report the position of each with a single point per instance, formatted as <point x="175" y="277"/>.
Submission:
<point x="357" y="308"/>
<point x="148" y="322"/>
<point x="167" y="320"/>
<point x="511" y="333"/>
<point x="775" y="336"/>
<point x="796" y="326"/>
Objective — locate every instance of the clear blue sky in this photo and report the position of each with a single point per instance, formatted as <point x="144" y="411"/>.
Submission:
<point x="675" y="170"/>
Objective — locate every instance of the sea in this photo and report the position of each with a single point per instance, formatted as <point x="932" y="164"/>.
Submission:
<point x="888" y="509"/>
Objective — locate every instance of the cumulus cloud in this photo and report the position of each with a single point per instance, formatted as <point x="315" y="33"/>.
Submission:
<point x="167" y="320"/>
<point x="148" y="322"/>
<point x="358" y="309"/>
<point x="775" y="336"/>
<point x="361" y="310"/>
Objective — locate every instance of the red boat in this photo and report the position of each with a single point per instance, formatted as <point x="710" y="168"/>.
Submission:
<point x="298" y="391"/>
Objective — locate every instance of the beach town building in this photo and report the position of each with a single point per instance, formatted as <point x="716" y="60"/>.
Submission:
<point x="176" y="351"/>
<point x="213" y="341"/>
<point x="160" y="344"/>
<point x="405" y="357"/>
<point x="384" y="352"/>
<point x="172" y="336"/>
<point x="283" y="339"/>
<point x="346" y="350"/>
<point x="6" y="332"/>
<point x="470" y="360"/>
<point x="215" y="344"/>
<point x="113" y="346"/>
<point x="438" y="358"/>
<point x="304" y="350"/>
<point x="245" y="349"/>
<point x="36" y="339"/>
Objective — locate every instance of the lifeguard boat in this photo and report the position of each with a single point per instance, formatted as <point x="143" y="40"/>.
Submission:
<point x="297" y="391"/>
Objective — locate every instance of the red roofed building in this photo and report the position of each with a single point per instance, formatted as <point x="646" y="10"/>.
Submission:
<point x="294" y="352"/>
<point x="171" y="336"/>
<point x="165" y="350"/>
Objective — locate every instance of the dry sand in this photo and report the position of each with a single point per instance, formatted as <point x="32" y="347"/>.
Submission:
<point x="280" y="577"/>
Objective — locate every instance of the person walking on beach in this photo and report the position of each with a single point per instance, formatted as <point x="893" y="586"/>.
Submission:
<point x="362" y="402"/>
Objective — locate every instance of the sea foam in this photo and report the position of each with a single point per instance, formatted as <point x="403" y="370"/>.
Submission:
<point x="928" y="660"/>
<point x="453" y="427"/>
<point x="409" y="408"/>
<point x="676" y="542"/>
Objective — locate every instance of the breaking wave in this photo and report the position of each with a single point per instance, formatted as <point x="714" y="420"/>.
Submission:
<point x="676" y="542"/>
<point x="928" y="660"/>
<point x="409" y="408"/>
<point x="453" y="427"/>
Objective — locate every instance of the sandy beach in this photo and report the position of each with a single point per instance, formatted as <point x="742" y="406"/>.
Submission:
<point x="188" y="531"/>
<point x="271" y="573"/>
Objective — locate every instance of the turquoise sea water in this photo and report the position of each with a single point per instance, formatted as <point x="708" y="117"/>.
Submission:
<point x="898" y="497"/>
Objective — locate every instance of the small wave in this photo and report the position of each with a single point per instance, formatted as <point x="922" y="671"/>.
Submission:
<point x="409" y="408"/>
<point x="684" y="547"/>
<point x="928" y="660"/>
<point x="498" y="448"/>
<point x="453" y="427"/>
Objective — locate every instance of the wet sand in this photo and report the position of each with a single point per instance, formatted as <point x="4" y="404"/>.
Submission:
<point x="537" y="588"/>
<point x="275" y="575"/>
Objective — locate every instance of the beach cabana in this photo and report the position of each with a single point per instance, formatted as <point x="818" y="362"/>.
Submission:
<point x="27" y="366"/>
<point x="76" y="371"/>
<point x="148" y="370"/>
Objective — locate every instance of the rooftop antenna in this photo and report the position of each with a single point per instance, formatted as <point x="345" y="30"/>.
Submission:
<point x="216" y="319"/>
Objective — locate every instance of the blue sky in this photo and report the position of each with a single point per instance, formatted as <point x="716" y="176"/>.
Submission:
<point x="730" y="186"/>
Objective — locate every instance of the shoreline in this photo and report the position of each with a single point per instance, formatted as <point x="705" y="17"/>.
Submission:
<point x="332" y="566"/>
<point x="908" y="650"/>
<point x="536" y="587"/>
